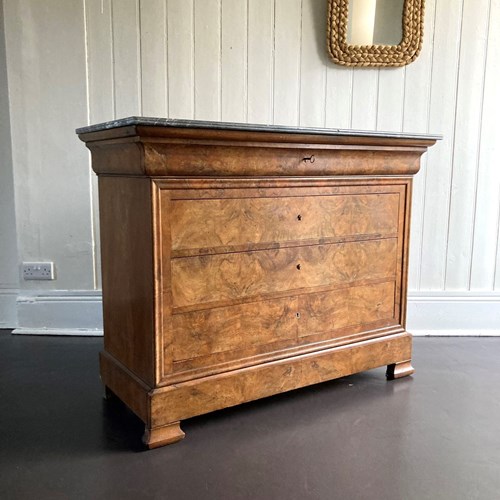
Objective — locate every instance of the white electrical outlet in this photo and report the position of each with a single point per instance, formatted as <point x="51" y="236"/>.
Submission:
<point x="38" y="270"/>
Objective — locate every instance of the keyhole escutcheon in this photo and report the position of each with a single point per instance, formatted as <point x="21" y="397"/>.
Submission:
<point x="299" y="217"/>
<point x="310" y="159"/>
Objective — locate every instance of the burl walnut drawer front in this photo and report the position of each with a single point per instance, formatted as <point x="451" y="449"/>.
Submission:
<point x="209" y="225"/>
<point x="293" y="269"/>
<point x="324" y="312"/>
<point x="211" y="280"/>
<point x="201" y="334"/>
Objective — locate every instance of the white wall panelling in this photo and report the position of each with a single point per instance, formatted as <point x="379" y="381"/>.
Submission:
<point x="465" y="154"/>
<point x="9" y="277"/>
<point x="180" y="55"/>
<point x="313" y="66"/>
<point x="364" y="99"/>
<point x="85" y="61"/>
<point x="153" y="57"/>
<point x="338" y="99"/>
<point x="416" y="113"/>
<point x="234" y="56"/>
<point x="442" y="114"/>
<point x="48" y="97"/>
<point x="260" y="61"/>
<point x="485" y="267"/>
<point x="207" y="59"/>
<point x="126" y="51"/>
<point x="287" y="53"/>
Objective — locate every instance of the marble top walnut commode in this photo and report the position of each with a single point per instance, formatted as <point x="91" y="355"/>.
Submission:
<point x="242" y="261"/>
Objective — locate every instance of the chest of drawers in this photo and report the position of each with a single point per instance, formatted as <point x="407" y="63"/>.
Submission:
<point x="243" y="261"/>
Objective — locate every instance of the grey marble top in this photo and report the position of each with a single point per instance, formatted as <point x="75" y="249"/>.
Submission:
<point x="248" y="127"/>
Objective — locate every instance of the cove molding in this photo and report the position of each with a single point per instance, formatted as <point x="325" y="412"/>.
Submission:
<point x="77" y="312"/>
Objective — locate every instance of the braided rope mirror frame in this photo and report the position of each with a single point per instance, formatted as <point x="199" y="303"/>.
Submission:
<point x="374" y="55"/>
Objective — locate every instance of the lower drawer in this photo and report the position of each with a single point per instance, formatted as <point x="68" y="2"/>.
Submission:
<point x="205" y="338"/>
<point x="331" y="311"/>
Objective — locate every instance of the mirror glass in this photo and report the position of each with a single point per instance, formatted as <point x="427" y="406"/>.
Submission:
<point x="375" y="22"/>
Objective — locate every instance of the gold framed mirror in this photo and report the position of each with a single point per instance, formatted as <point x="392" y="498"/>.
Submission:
<point x="375" y="32"/>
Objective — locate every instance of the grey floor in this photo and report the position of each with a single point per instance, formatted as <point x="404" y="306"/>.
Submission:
<point x="434" y="436"/>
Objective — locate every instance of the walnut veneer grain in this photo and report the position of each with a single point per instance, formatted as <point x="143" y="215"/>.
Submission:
<point x="239" y="263"/>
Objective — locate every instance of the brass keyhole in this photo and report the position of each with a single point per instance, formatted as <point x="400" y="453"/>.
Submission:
<point x="298" y="267"/>
<point x="297" y="315"/>
<point x="310" y="159"/>
<point x="299" y="217"/>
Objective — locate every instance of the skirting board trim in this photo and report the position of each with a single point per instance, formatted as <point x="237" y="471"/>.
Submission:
<point x="454" y="333"/>
<point x="454" y="314"/>
<point x="72" y="332"/>
<point x="429" y="313"/>
<point x="67" y="310"/>
<point x="8" y="309"/>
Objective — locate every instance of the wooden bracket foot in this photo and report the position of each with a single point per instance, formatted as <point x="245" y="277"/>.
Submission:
<point x="160" y="436"/>
<point x="399" y="370"/>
